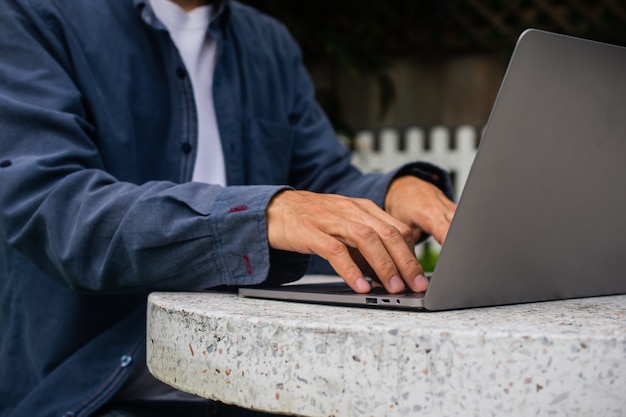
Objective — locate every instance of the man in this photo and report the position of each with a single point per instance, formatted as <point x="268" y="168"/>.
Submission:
<point x="158" y="146"/>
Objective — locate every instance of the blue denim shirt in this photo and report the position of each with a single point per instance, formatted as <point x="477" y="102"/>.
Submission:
<point x="97" y="146"/>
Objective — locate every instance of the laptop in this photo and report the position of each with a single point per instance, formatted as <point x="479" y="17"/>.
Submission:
<point x="542" y="215"/>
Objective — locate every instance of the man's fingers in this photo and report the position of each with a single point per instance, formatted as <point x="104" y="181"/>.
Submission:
<point x="421" y="205"/>
<point x="385" y="247"/>
<point x="372" y="215"/>
<point x="329" y="226"/>
<point x="366" y="240"/>
<point x="339" y="257"/>
<point x="384" y="253"/>
<point x="418" y="283"/>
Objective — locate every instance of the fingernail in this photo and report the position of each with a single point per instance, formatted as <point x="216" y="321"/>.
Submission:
<point x="420" y="281"/>
<point x="396" y="284"/>
<point x="362" y="285"/>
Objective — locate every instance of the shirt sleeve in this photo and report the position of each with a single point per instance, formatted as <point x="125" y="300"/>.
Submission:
<point x="62" y="209"/>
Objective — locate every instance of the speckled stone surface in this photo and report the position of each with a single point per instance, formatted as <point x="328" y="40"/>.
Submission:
<point x="564" y="358"/>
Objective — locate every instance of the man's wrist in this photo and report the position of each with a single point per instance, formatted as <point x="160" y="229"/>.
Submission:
<point x="426" y="172"/>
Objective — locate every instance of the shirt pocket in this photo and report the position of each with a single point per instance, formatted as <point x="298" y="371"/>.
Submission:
<point x="270" y="146"/>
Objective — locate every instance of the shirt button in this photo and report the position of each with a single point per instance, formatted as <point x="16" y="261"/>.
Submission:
<point x="186" y="148"/>
<point x="181" y="73"/>
<point x="125" y="361"/>
<point x="68" y="414"/>
<point x="5" y="163"/>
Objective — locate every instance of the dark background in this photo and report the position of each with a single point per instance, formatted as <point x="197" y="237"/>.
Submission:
<point x="354" y="46"/>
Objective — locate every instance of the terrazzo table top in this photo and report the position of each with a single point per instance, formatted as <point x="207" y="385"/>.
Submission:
<point x="563" y="358"/>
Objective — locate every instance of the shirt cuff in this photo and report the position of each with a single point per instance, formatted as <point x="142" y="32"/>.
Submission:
<point x="240" y="227"/>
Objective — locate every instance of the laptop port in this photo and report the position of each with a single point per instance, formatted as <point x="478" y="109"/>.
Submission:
<point x="371" y="300"/>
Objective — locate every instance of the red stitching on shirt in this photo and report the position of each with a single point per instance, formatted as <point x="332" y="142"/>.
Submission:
<point x="238" y="208"/>
<point x="246" y="262"/>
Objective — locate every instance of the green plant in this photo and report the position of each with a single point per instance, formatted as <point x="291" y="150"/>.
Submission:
<point x="429" y="257"/>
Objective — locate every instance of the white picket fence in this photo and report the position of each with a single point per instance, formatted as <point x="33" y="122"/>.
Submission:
<point x="452" y="148"/>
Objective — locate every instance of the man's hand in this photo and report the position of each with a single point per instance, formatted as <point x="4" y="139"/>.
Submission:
<point x="420" y="205"/>
<point x="342" y="229"/>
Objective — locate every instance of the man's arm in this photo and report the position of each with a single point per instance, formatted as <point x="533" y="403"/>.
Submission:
<point x="77" y="199"/>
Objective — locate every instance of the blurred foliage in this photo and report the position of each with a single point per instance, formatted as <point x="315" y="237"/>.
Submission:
<point x="359" y="39"/>
<point x="428" y="258"/>
<point x="365" y="35"/>
<point x="363" y="38"/>
<point x="358" y="36"/>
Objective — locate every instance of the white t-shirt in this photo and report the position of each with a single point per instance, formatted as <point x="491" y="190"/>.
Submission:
<point x="188" y="31"/>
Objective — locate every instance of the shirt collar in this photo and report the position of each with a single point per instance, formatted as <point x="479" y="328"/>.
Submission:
<point x="220" y="8"/>
<point x="217" y="3"/>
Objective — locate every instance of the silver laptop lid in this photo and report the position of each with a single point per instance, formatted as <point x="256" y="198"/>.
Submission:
<point x="542" y="215"/>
